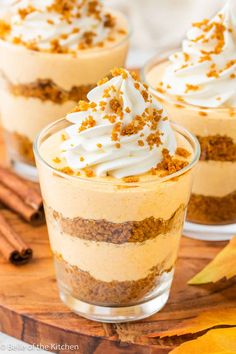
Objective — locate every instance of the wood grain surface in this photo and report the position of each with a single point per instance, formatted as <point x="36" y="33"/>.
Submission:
<point x="31" y="310"/>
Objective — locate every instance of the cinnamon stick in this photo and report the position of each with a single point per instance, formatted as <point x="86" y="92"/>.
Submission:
<point x="29" y="195"/>
<point x="12" y="246"/>
<point x="15" y="203"/>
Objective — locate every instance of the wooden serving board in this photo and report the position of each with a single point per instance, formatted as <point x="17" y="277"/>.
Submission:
<point x="31" y="310"/>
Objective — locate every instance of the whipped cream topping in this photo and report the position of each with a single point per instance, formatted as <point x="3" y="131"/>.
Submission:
<point x="204" y="73"/>
<point x="6" y="9"/>
<point x="120" y="132"/>
<point x="60" y="25"/>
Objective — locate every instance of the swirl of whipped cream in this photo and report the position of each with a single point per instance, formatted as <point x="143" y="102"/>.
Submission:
<point x="6" y="7"/>
<point x="121" y="132"/>
<point x="67" y="25"/>
<point x="204" y="73"/>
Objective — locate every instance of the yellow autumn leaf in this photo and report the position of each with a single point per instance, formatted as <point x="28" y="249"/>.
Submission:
<point x="206" y="320"/>
<point x="216" y="341"/>
<point x="223" y="266"/>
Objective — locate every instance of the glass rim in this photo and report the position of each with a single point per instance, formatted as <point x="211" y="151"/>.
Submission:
<point x="45" y="132"/>
<point x="161" y="58"/>
<point x="80" y="52"/>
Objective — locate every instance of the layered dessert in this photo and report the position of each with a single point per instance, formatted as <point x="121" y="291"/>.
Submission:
<point x="198" y="87"/>
<point x="51" y="54"/>
<point x="116" y="177"/>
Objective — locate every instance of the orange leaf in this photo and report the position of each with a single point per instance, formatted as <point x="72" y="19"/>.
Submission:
<point x="223" y="266"/>
<point x="216" y="341"/>
<point x="206" y="320"/>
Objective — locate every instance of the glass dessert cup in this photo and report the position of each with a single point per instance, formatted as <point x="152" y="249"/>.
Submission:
<point x="115" y="244"/>
<point x="212" y="208"/>
<point x="39" y="88"/>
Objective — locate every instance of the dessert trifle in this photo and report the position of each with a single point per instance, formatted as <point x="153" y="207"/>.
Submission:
<point x="52" y="53"/>
<point x="198" y="88"/>
<point x="116" y="178"/>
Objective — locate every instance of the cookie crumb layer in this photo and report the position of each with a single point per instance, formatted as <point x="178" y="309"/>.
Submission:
<point x="86" y="288"/>
<point x="47" y="90"/>
<point x="212" y="210"/>
<point x="118" y="233"/>
<point x="217" y="148"/>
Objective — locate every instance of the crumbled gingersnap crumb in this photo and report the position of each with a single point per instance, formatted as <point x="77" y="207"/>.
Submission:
<point x="88" y="172"/>
<point x="57" y="160"/>
<point x="63" y="137"/>
<point x="202" y="113"/>
<point x="115" y="105"/>
<point x="191" y="88"/>
<point x="119" y="71"/>
<point x="131" y="179"/>
<point x="182" y="152"/>
<point x="89" y="122"/>
<point x="5" y="28"/>
<point x="26" y="11"/>
<point x="103" y="81"/>
<point x="67" y="170"/>
<point x="169" y="164"/>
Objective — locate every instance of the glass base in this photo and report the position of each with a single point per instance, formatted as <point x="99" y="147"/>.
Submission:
<point x="24" y="170"/>
<point x="209" y="232"/>
<point x="153" y="303"/>
<point x="115" y="314"/>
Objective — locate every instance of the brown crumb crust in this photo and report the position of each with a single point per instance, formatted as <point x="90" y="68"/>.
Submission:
<point x="86" y="288"/>
<point x="47" y="90"/>
<point x="217" y="148"/>
<point x="212" y="210"/>
<point x="20" y="147"/>
<point x="118" y="233"/>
